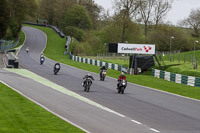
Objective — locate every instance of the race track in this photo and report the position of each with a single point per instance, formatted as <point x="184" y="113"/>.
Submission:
<point x="140" y="109"/>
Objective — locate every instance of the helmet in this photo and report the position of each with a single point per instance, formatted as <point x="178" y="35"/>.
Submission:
<point x="122" y="73"/>
<point x="89" y="74"/>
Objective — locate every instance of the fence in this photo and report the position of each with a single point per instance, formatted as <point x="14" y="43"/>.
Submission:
<point x="178" y="56"/>
<point x="113" y="56"/>
<point x="6" y="45"/>
<point x="100" y="63"/>
<point x="177" y="78"/>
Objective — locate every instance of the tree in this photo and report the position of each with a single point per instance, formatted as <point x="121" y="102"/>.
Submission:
<point x="60" y="8"/>
<point x="46" y="10"/>
<point x="93" y="10"/>
<point x="146" y="8"/>
<point x="13" y="13"/>
<point x="153" y="11"/>
<point x="77" y="16"/>
<point x="4" y="16"/>
<point x="161" y="9"/>
<point x="193" y="21"/>
<point x="161" y="37"/>
<point x="126" y="9"/>
<point x="112" y="32"/>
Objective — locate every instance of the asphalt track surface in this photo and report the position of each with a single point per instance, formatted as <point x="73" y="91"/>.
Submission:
<point x="141" y="109"/>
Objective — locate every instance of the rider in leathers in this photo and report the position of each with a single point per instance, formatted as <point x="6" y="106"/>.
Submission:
<point x="121" y="77"/>
<point x="101" y="70"/>
<point x="87" y="76"/>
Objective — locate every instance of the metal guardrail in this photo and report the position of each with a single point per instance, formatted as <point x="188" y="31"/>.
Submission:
<point x="67" y="44"/>
<point x="58" y="31"/>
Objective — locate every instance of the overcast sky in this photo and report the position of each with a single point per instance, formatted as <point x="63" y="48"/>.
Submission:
<point x="180" y="8"/>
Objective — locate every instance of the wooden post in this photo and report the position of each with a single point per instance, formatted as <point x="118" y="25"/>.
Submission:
<point x="184" y="58"/>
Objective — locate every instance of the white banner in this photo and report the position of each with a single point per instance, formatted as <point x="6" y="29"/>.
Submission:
<point x="136" y="48"/>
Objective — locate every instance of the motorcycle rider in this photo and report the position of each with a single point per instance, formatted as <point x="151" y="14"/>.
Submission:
<point x="121" y="77"/>
<point x="41" y="55"/>
<point x="85" y="77"/>
<point x="42" y="59"/>
<point x="101" y="70"/>
<point x="27" y="49"/>
<point x="57" y="66"/>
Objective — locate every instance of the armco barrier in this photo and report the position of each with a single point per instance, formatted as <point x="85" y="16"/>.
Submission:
<point x="58" y="31"/>
<point x="177" y="78"/>
<point x="98" y="63"/>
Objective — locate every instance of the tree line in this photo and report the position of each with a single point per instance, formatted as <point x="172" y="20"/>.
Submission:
<point x="133" y="21"/>
<point x="12" y="13"/>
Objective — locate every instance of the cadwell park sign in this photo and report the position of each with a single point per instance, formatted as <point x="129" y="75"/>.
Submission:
<point x="136" y="48"/>
<point x="137" y="52"/>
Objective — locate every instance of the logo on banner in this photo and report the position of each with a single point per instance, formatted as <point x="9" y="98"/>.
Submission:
<point x="136" y="48"/>
<point x="147" y="49"/>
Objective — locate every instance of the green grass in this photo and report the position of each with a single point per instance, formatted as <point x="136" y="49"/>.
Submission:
<point x="22" y="38"/>
<point x="175" y="66"/>
<point x="56" y="53"/>
<point x="19" y="115"/>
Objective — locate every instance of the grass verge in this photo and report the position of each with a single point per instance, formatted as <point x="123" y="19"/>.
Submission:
<point x="19" y="115"/>
<point x="55" y="51"/>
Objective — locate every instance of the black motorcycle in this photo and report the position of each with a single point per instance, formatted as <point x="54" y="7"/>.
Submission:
<point x="56" y="69"/>
<point x="88" y="83"/>
<point x="122" y="86"/>
<point x="103" y="75"/>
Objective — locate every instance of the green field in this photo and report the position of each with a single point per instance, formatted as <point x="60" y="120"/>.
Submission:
<point x="55" y="51"/>
<point x="19" y="115"/>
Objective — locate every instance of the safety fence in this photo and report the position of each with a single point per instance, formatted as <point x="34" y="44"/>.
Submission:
<point x="67" y="44"/>
<point x="100" y="63"/>
<point x="177" y="78"/>
<point x="6" y="45"/>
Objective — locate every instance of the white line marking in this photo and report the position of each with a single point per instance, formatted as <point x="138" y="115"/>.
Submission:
<point x="45" y="107"/>
<point x="83" y="98"/>
<point x="154" y="130"/>
<point x="136" y="122"/>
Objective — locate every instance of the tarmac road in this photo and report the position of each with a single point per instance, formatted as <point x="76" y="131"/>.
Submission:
<point x="141" y="109"/>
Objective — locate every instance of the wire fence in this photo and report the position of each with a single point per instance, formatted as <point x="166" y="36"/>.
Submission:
<point x="6" y="45"/>
<point x="177" y="56"/>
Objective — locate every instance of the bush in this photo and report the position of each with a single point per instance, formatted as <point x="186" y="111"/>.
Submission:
<point x="74" y="32"/>
<point x="161" y="38"/>
<point x="77" y="16"/>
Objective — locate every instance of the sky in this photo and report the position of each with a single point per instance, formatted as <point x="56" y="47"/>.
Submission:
<point x="180" y="9"/>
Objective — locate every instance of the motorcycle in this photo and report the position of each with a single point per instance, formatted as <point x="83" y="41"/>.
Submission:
<point x="56" y="69"/>
<point x="42" y="60"/>
<point x="122" y="86"/>
<point x="88" y="83"/>
<point x="103" y="75"/>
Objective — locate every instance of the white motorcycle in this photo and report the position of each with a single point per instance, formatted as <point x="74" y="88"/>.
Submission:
<point x="122" y="86"/>
<point x="103" y="75"/>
